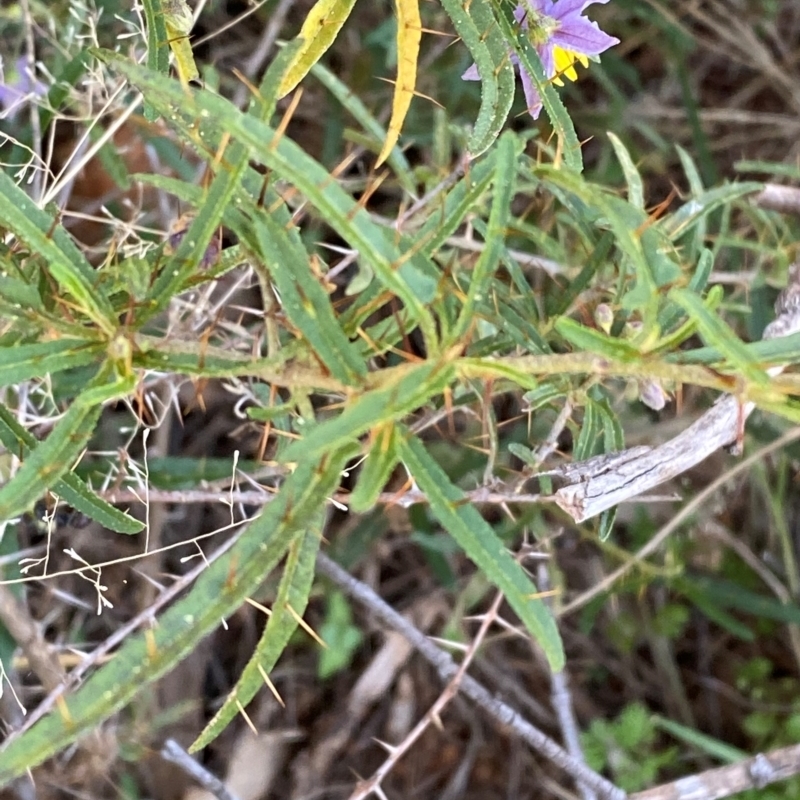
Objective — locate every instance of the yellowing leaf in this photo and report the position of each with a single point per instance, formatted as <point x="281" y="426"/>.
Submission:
<point x="409" y="34"/>
<point x="321" y="27"/>
<point x="178" y="20"/>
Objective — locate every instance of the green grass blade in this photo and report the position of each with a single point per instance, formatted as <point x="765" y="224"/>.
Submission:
<point x="70" y="487"/>
<point x="463" y="522"/>
<point x="214" y="596"/>
<point x="293" y="592"/>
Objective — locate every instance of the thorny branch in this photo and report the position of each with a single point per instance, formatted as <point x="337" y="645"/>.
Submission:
<point x="447" y="669"/>
<point x="594" y="485"/>
<point x="714" y="784"/>
<point x="367" y="787"/>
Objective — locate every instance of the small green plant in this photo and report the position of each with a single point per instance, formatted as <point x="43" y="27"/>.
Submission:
<point x="627" y="748"/>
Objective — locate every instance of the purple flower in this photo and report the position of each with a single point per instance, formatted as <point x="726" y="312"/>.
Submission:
<point x="17" y="88"/>
<point x="561" y="36"/>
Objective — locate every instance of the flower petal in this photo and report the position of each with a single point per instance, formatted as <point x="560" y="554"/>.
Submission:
<point x="564" y="8"/>
<point x="581" y="35"/>
<point x="471" y="74"/>
<point x="533" y="101"/>
<point x="522" y="9"/>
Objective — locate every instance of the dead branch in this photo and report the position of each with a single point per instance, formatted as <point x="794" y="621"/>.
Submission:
<point x="713" y="784"/>
<point x="774" y="197"/>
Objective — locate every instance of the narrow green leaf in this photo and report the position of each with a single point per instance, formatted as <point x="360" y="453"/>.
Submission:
<point x="70" y="487"/>
<point x="64" y="261"/>
<point x="547" y="392"/>
<point x="626" y="223"/>
<point x="597" y="259"/>
<point x="712" y="608"/>
<point x="190" y="252"/>
<point x="21" y="362"/>
<point x="695" y="209"/>
<point x="476" y="24"/>
<point x="632" y="177"/>
<point x="402" y="392"/>
<point x="19" y="293"/>
<point x="613" y="435"/>
<point x="590" y="433"/>
<point x="594" y="341"/>
<point x="157" y="45"/>
<point x="702" y="272"/>
<point x="731" y="595"/>
<point x="52" y="458"/>
<point x="352" y="103"/>
<point x="507" y="152"/>
<point x="293" y="591"/>
<point x="378" y="465"/>
<point x="215" y="595"/>
<point x="715" y="332"/>
<point x="460" y="200"/>
<point x="690" y="170"/>
<point x="306" y="304"/>
<point x="463" y="522"/>
<point x="700" y="741"/>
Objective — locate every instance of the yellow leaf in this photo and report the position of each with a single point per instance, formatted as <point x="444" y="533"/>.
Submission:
<point x="321" y="27"/>
<point x="178" y="20"/>
<point x="409" y="34"/>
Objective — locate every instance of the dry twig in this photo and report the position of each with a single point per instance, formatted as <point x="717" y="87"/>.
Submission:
<point x="367" y="787"/>
<point x="447" y="668"/>
<point x="172" y="751"/>
<point x="713" y="784"/>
